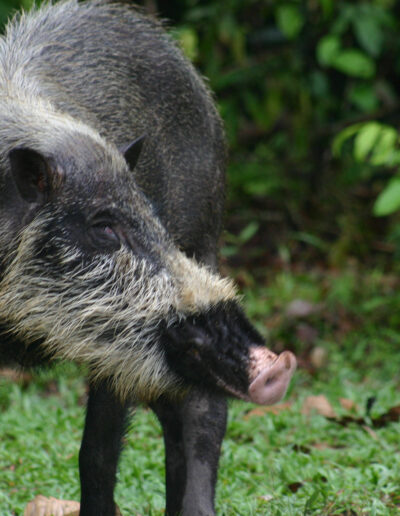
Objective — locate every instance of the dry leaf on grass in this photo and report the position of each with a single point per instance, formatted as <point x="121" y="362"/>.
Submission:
<point x="15" y="375"/>
<point x="391" y="416"/>
<point x="349" y="405"/>
<point x="261" y="411"/>
<point x="320" y="445"/>
<point x="43" y="506"/>
<point x="321" y="405"/>
<point x="318" y="404"/>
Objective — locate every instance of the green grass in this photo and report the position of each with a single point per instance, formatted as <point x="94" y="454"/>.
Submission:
<point x="286" y="463"/>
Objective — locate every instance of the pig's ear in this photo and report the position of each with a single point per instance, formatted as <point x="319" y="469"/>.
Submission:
<point x="32" y="174"/>
<point x="131" y="151"/>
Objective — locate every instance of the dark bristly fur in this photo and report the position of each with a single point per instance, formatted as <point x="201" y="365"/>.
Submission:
<point x="108" y="249"/>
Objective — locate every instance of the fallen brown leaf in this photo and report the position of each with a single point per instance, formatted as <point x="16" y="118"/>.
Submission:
<point x="319" y="404"/>
<point x="349" y="405"/>
<point x="391" y="416"/>
<point x="261" y="411"/>
<point x="43" y="506"/>
<point x="320" y="446"/>
<point x="15" y="375"/>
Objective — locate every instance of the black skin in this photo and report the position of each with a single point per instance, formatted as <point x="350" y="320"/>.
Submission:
<point x="193" y="428"/>
<point x="211" y="349"/>
<point x="193" y="433"/>
<point x="181" y="172"/>
<point x="105" y="422"/>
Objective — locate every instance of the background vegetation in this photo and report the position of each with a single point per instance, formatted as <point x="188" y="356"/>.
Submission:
<point x="289" y="77"/>
<point x="309" y="91"/>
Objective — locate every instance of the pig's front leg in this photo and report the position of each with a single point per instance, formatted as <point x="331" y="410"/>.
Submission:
<point x="101" y="444"/>
<point x="193" y="433"/>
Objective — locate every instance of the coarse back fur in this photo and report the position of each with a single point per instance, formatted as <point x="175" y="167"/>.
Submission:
<point x="105" y="67"/>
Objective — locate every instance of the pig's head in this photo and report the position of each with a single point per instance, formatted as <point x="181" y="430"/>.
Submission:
<point x="90" y="273"/>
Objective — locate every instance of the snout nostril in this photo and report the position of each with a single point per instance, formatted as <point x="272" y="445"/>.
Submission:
<point x="270" y="382"/>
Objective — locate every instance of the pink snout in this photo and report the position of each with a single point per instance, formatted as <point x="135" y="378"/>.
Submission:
<point x="271" y="375"/>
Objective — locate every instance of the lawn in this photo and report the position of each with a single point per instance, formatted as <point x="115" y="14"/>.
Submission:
<point x="331" y="447"/>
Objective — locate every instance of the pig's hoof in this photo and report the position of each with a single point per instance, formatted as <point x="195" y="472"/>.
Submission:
<point x="42" y="506"/>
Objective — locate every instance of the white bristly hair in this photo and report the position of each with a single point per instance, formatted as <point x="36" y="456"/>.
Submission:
<point x="106" y="314"/>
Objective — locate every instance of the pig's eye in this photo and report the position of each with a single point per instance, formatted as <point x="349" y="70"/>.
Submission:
<point x="103" y="236"/>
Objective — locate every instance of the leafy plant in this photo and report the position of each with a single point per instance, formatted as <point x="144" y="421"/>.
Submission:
<point x="377" y="144"/>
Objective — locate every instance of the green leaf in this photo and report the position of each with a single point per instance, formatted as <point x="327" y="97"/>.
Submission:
<point x="355" y="63"/>
<point x="328" y="48"/>
<point x="374" y="142"/>
<point x="385" y="152"/>
<point x="188" y="40"/>
<point x="368" y="33"/>
<point x="248" y="232"/>
<point x="377" y="144"/>
<point x="327" y="7"/>
<point x="256" y="108"/>
<point x="388" y="201"/>
<point x="364" y="97"/>
<point x="344" y="135"/>
<point x="366" y="139"/>
<point x="289" y="20"/>
<point x="341" y="22"/>
<point x="311" y="239"/>
<point x="28" y="4"/>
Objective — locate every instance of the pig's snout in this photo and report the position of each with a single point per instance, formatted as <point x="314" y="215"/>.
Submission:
<point x="270" y="380"/>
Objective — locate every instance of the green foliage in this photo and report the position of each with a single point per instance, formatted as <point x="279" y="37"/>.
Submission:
<point x="374" y="142"/>
<point x="235" y="242"/>
<point x="9" y="7"/>
<point x="290" y="77"/>
<point x="377" y="144"/>
<point x="289" y="20"/>
<point x="389" y="199"/>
